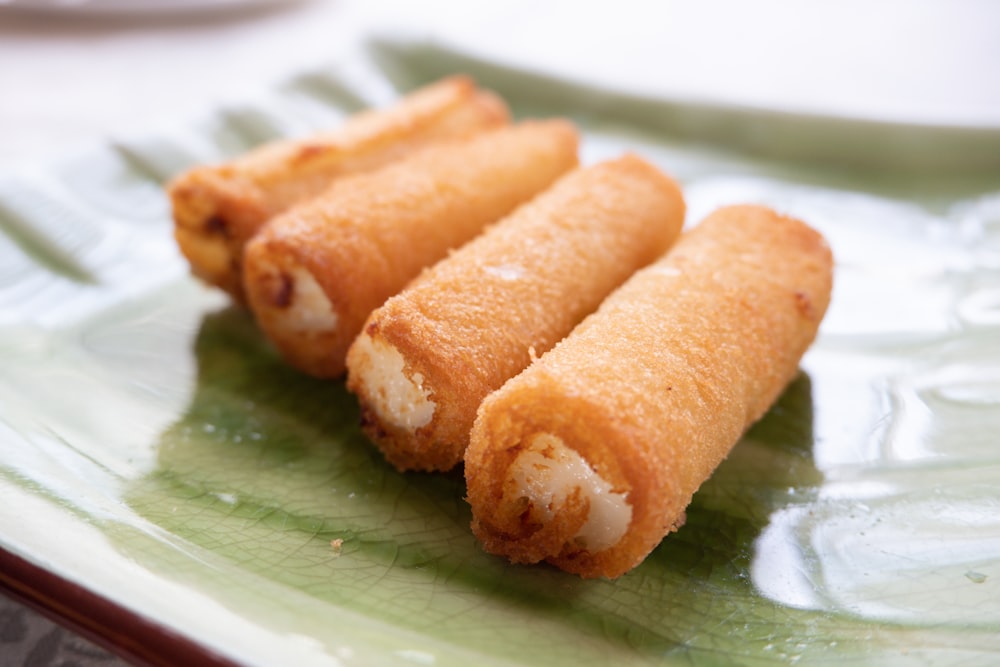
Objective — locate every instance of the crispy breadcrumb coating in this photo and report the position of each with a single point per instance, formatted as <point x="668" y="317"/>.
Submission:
<point x="429" y="356"/>
<point x="218" y="209"/>
<point x="651" y="391"/>
<point x="315" y="273"/>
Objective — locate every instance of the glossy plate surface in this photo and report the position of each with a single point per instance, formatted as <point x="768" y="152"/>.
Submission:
<point x="155" y="451"/>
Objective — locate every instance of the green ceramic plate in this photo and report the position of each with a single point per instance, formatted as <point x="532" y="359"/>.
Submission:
<point x="155" y="452"/>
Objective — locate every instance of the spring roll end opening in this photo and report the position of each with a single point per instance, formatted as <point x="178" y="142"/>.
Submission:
<point x="292" y="299"/>
<point x="543" y="476"/>
<point x="208" y="254"/>
<point x="379" y="378"/>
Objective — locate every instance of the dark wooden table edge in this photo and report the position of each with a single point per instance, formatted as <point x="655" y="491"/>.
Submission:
<point x="108" y="624"/>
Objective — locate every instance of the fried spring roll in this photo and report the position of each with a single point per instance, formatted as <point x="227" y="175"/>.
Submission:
<point x="217" y="209"/>
<point x="589" y="457"/>
<point x="315" y="273"/>
<point x="430" y="354"/>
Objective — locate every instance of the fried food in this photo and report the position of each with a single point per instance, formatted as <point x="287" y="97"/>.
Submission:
<point x="315" y="273"/>
<point x="218" y="209"/>
<point x="430" y="354"/>
<point x="589" y="457"/>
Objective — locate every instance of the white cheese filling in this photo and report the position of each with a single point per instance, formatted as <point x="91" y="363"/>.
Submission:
<point x="548" y="471"/>
<point x="310" y="309"/>
<point x="397" y="399"/>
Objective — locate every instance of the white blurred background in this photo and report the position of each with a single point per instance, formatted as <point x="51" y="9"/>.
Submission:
<point x="71" y="70"/>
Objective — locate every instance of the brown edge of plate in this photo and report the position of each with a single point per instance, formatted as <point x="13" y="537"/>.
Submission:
<point x="113" y="627"/>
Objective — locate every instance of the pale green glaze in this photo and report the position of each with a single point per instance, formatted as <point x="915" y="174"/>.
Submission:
<point x="858" y="523"/>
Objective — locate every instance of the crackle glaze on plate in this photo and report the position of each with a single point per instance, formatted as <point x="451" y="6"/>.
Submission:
<point x="156" y="451"/>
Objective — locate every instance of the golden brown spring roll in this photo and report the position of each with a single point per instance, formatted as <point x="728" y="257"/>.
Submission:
<point x="589" y="457"/>
<point x="427" y="358"/>
<point x="217" y="209"/>
<point x="315" y="273"/>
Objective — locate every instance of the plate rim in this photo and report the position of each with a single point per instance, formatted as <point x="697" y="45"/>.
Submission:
<point x="112" y="626"/>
